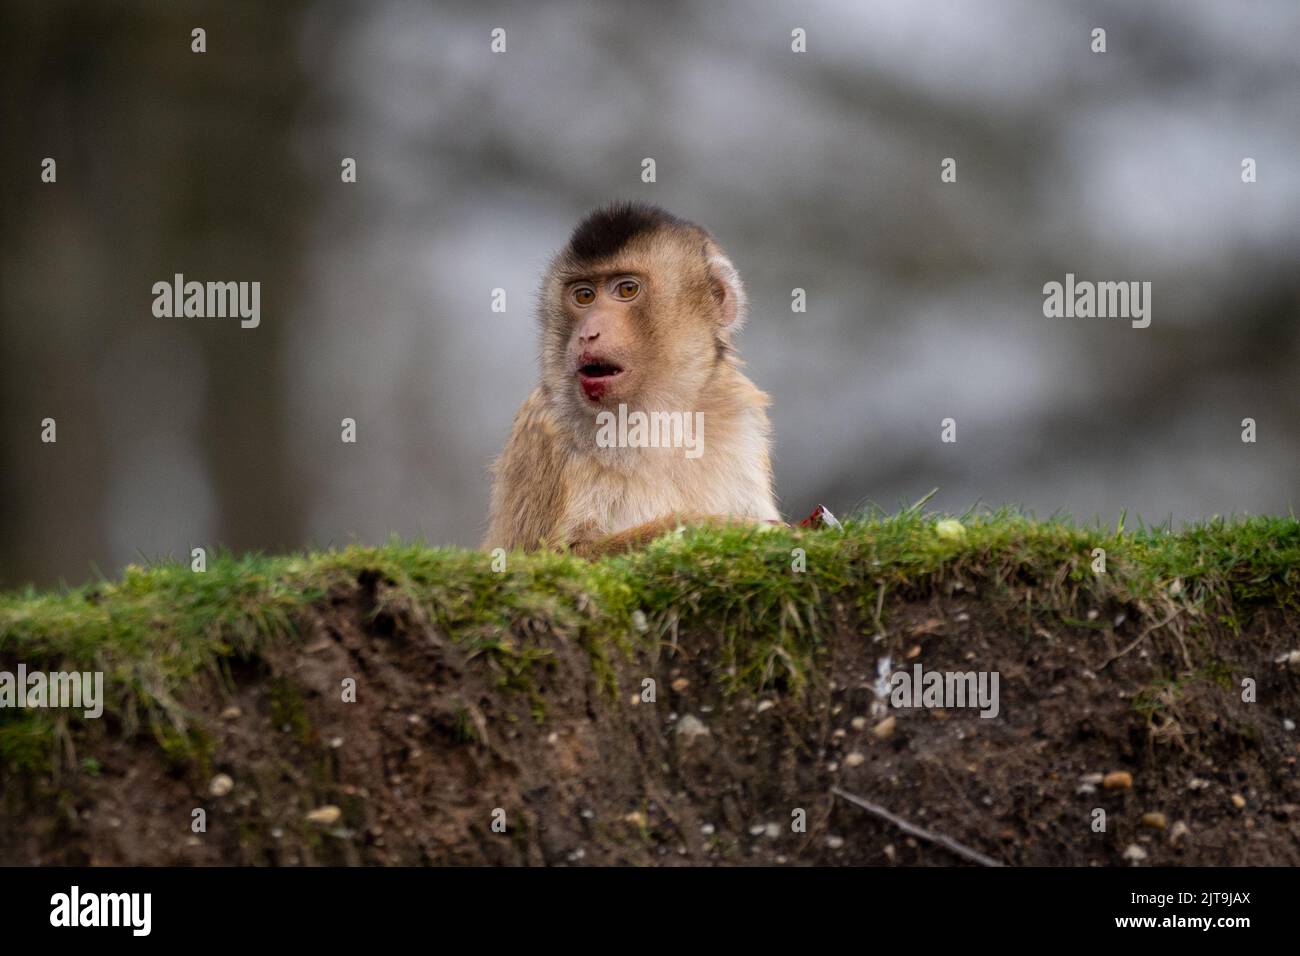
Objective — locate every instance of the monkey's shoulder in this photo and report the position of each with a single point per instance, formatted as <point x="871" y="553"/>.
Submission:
<point x="536" y="424"/>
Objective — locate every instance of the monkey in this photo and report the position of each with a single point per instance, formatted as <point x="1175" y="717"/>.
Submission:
<point x="637" y="314"/>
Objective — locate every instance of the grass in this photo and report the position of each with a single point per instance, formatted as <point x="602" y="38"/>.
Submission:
<point x="158" y="627"/>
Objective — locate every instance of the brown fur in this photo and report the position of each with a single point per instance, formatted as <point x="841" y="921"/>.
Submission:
<point x="554" y="487"/>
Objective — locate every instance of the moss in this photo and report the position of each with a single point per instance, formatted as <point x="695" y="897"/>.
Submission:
<point x="289" y="710"/>
<point x="158" y="627"/>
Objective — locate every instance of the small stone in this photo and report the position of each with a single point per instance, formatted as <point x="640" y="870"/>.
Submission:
<point x="858" y="723"/>
<point x="1238" y="801"/>
<point x="885" y="729"/>
<point x="764" y="705"/>
<point x="1178" y="831"/>
<point x="639" y="621"/>
<point x="325" y="816"/>
<point x="773" y="830"/>
<point x="855" y="759"/>
<point x="1288" y="724"/>
<point x="680" y="684"/>
<point x="1117" y="780"/>
<point x="1197" y="783"/>
<point x="707" y="829"/>
<point x="553" y="738"/>
<point x="890" y="853"/>
<point x="691" y="729"/>
<point x="637" y="819"/>
<point x="1154" y="821"/>
<point x="231" y="713"/>
<point x="835" y="842"/>
<point x="221" y="785"/>
<point x="1135" y="854"/>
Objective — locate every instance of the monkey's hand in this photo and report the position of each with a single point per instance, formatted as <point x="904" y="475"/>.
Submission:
<point x="639" y="536"/>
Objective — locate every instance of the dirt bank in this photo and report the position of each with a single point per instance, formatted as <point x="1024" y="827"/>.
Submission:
<point x="443" y="740"/>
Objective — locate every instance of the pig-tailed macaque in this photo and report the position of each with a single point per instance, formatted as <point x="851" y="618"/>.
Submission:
<point x="642" y="420"/>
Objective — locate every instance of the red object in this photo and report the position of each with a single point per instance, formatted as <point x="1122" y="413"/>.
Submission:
<point x="819" y="518"/>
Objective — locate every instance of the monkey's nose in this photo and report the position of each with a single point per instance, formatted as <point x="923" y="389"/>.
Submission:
<point x="585" y="337"/>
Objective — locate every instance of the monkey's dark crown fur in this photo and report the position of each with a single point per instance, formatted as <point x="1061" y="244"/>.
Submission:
<point x="607" y="230"/>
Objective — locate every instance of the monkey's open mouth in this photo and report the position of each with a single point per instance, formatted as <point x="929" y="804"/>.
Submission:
<point x="595" y="370"/>
<point x="597" y="376"/>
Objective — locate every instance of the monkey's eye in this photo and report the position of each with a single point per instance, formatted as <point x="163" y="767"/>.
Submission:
<point x="627" y="289"/>
<point x="584" y="295"/>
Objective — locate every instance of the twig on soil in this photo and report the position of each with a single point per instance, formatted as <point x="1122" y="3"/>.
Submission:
<point x="1143" y="636"/>
<point x="911" y="828"/>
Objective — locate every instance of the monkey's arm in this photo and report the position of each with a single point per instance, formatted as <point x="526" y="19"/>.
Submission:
<point x="529" y="492"/>
<point x="640" y="535"/>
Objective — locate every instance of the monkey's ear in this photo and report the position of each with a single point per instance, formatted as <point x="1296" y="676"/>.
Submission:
<point x="727" y="288"/>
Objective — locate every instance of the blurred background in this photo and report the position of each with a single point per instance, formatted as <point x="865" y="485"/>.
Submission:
<point x="817" y="170"/>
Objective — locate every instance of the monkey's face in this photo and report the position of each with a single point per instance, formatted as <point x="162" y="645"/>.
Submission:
<point x="643" y="328"/>
<point x="603" y="348"/>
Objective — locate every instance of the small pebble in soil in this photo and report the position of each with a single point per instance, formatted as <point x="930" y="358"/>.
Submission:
<point x="1178" y="831"/>
<point x="885" y="729"/>
<point x="1238" y="801"/>
<point x="858" y="723"/>
<point x="1117" y="780"/>
<point x="1135" y="854"/>
<point x="1154" y="820"/>
<point x="221" y="785"/>
<point x="854" y="759"/>
<point x="325" y="816"/>
<point x="835" y="842"/>
<point x="691" y="728"/>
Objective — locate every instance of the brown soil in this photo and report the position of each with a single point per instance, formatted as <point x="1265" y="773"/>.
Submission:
<point x="434" y="744"/>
